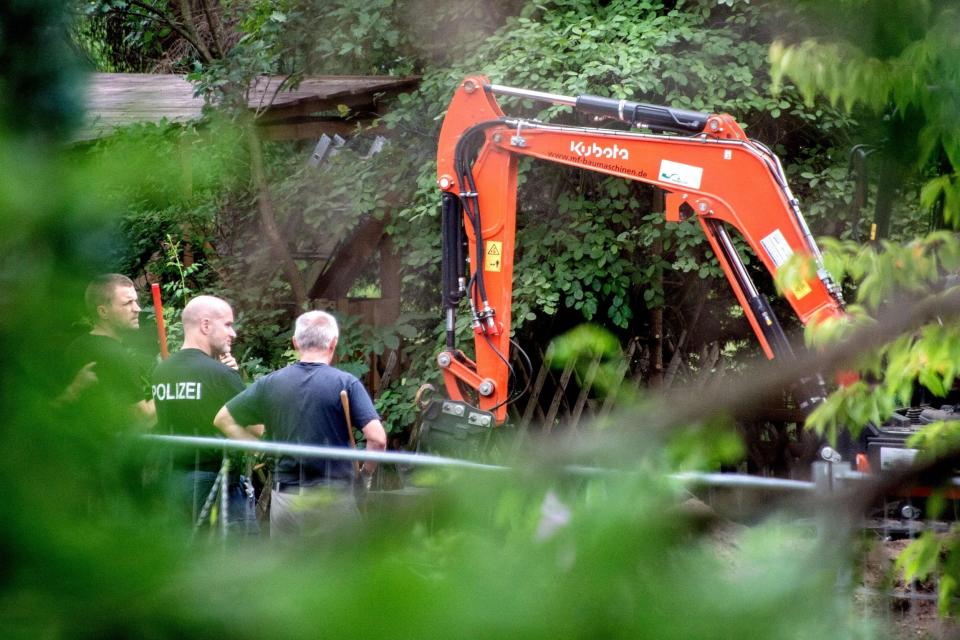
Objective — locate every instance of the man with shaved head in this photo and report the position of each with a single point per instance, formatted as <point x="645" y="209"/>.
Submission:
<point x="188" y="389"/>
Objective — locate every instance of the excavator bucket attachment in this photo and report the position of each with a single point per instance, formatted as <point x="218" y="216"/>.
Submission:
<point x="453" y="428"/>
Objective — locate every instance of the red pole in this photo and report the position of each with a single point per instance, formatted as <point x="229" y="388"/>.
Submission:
<point x="161" y="327"/>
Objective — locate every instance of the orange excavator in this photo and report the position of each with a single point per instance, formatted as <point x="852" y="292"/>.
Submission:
<point x="706" y="165"/>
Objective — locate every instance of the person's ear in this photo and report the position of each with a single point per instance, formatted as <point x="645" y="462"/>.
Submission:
<point x="295" y="345"/>
<point x="102" y="312"/>
<point x="333" y="345"/>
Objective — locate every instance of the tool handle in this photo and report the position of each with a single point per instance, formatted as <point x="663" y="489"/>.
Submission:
<point x="161" y="327"/>
<point x="345" y="402"/>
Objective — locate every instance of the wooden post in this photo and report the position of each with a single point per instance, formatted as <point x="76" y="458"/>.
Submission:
<point x="656" y="319"/>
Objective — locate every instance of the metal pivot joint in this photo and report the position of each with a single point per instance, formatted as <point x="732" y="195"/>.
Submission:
<point x="458" y="368"/>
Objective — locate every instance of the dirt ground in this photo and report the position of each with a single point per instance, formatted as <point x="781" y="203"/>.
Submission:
<point x="901" y="611"/>
<point x="909" y="609"/>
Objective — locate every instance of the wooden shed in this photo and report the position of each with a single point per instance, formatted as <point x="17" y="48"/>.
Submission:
<point x="310" y="109"/>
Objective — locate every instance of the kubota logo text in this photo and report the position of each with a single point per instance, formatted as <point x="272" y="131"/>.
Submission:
<point x="595" y="150"/>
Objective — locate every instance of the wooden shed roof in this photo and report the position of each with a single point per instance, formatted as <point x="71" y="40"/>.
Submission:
<point x="121" y="99"/>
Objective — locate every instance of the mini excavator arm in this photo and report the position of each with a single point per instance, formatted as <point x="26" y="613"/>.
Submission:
<point x="714" y="173"/>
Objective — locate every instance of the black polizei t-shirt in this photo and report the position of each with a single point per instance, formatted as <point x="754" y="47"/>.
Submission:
<point x="189" y="388"/>
<point x="301" y="404"/>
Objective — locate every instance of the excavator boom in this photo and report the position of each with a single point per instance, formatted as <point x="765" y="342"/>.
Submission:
<point x="708" y="168"/>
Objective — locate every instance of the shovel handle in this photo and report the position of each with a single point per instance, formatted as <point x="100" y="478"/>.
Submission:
<point x="161" y="328"/>
<point x="345" y="403"/>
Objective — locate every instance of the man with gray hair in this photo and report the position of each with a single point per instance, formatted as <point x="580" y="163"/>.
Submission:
<point x="301" y="404"/>
<point x="189" y="388"/>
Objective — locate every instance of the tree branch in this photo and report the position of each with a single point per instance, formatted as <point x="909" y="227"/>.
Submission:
<point x="173" y="24"/>
<point x="269" y="221"/>
<point x="214" y="32"/>
<point x="187" y="12"/>
<point x="261" y="108"/>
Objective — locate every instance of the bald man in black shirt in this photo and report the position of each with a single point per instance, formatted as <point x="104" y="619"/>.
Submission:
<point x="188" y="390"/>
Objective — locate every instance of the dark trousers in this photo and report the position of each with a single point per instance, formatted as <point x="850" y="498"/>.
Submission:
<point x="191" y="489"/>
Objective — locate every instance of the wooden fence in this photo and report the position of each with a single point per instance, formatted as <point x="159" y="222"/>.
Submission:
<point x="569" y="395"/>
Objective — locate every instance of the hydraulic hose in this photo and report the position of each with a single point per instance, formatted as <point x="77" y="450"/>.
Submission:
<point x="451" y="218"/>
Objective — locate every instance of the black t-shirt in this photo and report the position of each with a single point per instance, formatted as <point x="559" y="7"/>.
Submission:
<point x="301" y="404"/>
<point x="189" y="388"/>
<point x="120" y="382"/>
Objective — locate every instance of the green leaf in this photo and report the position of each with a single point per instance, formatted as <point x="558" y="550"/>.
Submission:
<point x="391" y="341"/>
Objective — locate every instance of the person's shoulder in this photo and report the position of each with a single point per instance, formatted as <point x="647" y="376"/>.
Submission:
<point x="79" y="352"/>
<point x="175" y="360"/>
<point x="176" y="356"/>
<point x="225" y="376"/>
<point x="280" y="375"/>
<point x="210" y="364"/>
<point x="346" y="377"/>
<point x="165" y="368"/>
<point x="205" y="367"/>
<point x="223" y="370"/>
<point x="77" y="345"/>
<point x="88" y="339"/>
<point x="78" y="340"/>
<point x="88" y="343"/>
<point x="267" y="384"/>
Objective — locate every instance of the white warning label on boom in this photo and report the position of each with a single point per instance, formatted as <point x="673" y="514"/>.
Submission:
<point x="777" y="247"/>
<point x="686" y="175"/>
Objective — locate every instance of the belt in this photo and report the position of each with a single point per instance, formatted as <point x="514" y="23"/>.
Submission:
<point x="286" y="487"/>
<point x="290" y="487"/>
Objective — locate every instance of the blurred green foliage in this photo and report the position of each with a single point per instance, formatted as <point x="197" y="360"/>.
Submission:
<point x="889" y="278"/>
<point x="917" y="364"/>
<point x="87" y="547"/>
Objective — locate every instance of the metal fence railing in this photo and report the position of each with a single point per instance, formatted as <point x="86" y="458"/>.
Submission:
<point x="732" y="480"/>
<point x="329" y="453"/>
<point x="827" y="476"/>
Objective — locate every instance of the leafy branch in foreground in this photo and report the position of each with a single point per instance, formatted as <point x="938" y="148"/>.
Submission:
<point x="917" y="280"/>
<point x="891" y="283"/>
<point x="897" y="59"/>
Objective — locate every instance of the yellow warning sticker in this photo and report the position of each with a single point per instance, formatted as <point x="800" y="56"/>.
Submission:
<point x="492" y="259"/>
<point x="800" y="290"/>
